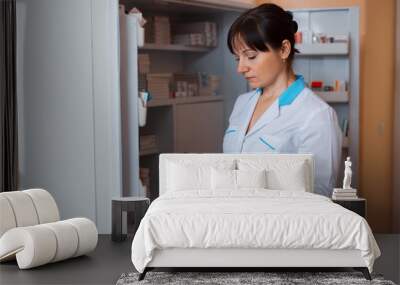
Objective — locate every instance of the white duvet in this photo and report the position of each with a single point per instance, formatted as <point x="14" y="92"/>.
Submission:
<point x="251" y="218"/>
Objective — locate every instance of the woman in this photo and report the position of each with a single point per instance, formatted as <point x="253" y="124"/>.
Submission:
<point x="281" y="114"/>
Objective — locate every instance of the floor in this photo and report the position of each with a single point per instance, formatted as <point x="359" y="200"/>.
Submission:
<point x="389" y="262"/>
<point x="110" y="260"/>
<point x="103" y="266"/>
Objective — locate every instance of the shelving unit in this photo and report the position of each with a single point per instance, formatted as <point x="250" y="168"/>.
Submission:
<point x="334" y="61"/>
<point x="196" y="123"/>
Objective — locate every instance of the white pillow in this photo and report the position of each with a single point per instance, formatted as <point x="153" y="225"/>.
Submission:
<point x="181" y="177"/>
<point x="292" y="179"/>
<point x="282" y="174"/>
<point x="223" y="179"/>
<point x="188" y="175"/>
<point x="251" y="178"/>
<point x="237" y="179"/>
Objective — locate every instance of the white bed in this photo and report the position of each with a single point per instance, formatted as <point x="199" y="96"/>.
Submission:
<point x="248" y="227"/>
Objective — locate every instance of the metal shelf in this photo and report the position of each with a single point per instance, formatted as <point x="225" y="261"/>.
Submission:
<point x="333" y="97"/>
<point x="183" y="100"/>
<point x="323" y="49"/>
<point x="174" y="47"/>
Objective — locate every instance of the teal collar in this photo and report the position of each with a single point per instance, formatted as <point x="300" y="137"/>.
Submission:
<point x="288" y="96"/>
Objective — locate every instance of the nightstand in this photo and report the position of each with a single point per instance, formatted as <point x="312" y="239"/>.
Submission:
<point x="130" y="205"/>
<point x="358" y="206"/>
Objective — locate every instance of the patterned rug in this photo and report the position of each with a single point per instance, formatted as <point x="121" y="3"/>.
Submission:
<point x="243" y="278"/>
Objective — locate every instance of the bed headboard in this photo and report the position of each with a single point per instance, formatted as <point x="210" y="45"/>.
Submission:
<point x="165" y="158"/>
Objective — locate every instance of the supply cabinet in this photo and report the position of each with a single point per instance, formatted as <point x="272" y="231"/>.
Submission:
<point x="188" y="123"/>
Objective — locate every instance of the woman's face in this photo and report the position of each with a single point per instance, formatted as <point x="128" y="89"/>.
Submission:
<point x="259" y="68"/>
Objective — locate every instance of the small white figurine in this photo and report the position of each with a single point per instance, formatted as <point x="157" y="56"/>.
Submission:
<point x="347" y="174"/>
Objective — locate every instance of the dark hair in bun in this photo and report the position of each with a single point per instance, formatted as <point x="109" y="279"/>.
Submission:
<point x="267" y="24"/>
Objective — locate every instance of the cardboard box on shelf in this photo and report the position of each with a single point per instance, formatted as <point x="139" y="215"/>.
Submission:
<point x="142" y="82"/>
<point x="147" y="142"/>
<point x="158" y="30"/>
<point x="143" y="63"/>
<point x="206" y="28"/>
<point x="194" y="39"/>
<point x="158" y="84"/>
<point x="185" y="84"/>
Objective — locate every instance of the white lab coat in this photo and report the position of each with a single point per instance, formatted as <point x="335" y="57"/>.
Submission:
<point x="302" y="124"/>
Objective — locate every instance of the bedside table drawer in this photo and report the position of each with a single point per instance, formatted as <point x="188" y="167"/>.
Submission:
<point x="357" y="206"/>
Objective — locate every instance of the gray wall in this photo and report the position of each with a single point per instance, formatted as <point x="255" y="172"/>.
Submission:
<point x="68" y="96"/>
